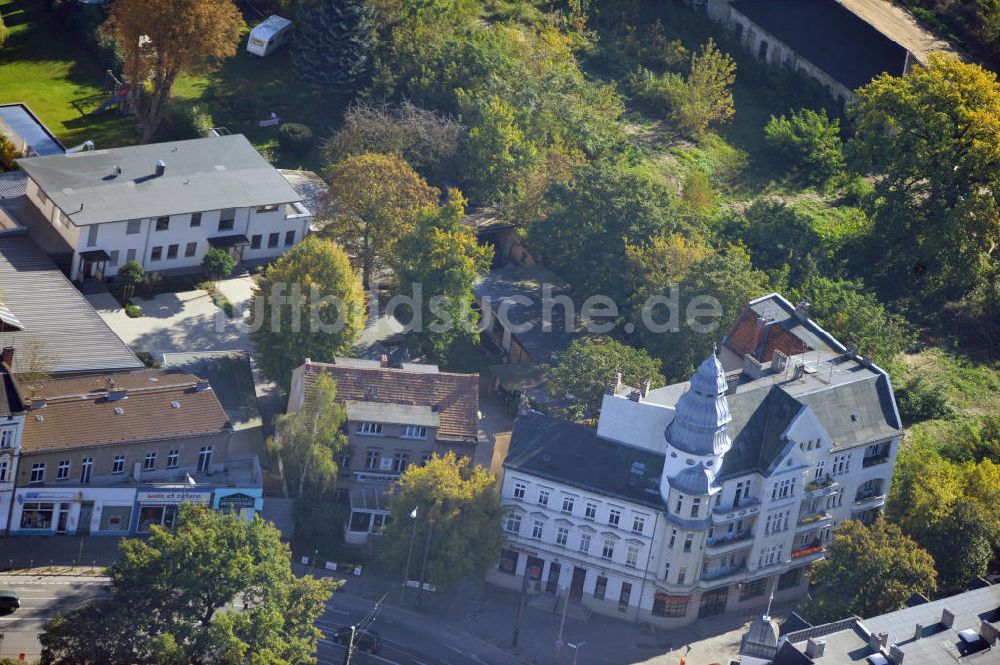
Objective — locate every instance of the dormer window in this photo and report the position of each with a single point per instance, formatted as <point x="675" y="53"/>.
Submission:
<point x="369" y="429"/>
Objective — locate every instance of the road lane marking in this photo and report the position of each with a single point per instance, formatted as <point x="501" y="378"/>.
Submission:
<point x="381" y="658"/>
<point x="398" y="644"/>
<point x="330" y="609"/>
<point x="471" y="656"/>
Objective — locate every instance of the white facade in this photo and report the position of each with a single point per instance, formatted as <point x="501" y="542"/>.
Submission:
<point x="11" y="428"/>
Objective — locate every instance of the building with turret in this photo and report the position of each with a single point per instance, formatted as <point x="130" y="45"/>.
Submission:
<point x="709" y="495"/>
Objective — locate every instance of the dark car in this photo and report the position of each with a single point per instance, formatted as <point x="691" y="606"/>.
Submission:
<point x="364" y="639"/>
<point x="9" y="601"/>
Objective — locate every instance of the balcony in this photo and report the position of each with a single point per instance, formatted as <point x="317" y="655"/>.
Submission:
<point x="812" y="521"/>
<point x="872" y="460"/>
<point x="820" y="488"/>
<point x="730" y="542"/>
<point x="720" y="573"/>
<point x="728" y="512"/>
<point x="866" y="500"/>
<point x="813" y="549"/>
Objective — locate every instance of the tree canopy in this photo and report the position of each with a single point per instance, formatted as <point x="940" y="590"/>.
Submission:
<point x="159" y="41"/>
<point x="216" y="588"/>
<point x="333" y="43"/>
<point x="458" y="503"/>
<point x="311" y="438"/>
<point x="308" y="304"/>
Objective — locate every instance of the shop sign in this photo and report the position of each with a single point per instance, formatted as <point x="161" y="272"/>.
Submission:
<point x="236" y="502"/>
<point x="51" y="496"/>
<point x="172" y="496"/>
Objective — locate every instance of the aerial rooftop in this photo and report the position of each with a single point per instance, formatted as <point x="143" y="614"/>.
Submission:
<point x="200" y="174"/>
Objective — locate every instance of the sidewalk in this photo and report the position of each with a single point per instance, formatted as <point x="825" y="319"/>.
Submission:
<point x="83" y="552"/>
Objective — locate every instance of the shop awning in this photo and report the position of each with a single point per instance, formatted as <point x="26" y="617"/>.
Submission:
<point x="95" y="255"/>
<point x="225" y="242"/>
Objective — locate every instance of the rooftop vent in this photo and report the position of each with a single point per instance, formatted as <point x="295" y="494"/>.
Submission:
<point x="175" y="405"/>
<point x="117" y="394"/>
<point x="815" y="648"/>
<point x="116" y="171"/>
<point x="40" y="418"/>
<point x="201" y="385"/>
<point x="161" y="167"/>
<point x="372" y="392"/>
<point x="120" y="411"/>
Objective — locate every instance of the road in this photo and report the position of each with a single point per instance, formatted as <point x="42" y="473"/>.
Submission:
<point x="408" y="639"/>
<point x="39" y="603"/>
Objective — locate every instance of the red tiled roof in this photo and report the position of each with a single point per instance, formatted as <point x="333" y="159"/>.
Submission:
<point x="780" y="339"/>
<point x="750" y="334"/>
<point x="456" y="396"/>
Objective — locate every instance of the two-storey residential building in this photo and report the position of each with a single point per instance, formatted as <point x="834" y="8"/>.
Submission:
<point x="396" y="416"/>
<point x="163" y="205"/>
<point x="745" y="470"/>
<point x="115" y="454"/>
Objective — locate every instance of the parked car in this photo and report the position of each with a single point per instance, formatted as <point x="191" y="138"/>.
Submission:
<point x="364" y="639"/>
<point x="9" y="602"/>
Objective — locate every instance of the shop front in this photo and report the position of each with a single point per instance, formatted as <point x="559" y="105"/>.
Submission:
<point x="160" y="507"/>
<point x="243" y="501"/>
<point x="42" y="512"/>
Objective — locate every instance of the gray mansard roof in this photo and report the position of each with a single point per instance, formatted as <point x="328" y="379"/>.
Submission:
<point x="201" y="174"/>
<point x="565" y="452"/>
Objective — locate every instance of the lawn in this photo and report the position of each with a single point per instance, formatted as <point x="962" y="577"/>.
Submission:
<point x="44" y="67"/>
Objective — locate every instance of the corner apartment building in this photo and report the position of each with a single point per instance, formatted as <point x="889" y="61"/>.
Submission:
<point x="706" y="496"/>
<point x="163" y="205"/>
<point x="396" y="416"/>
<point x="115" y="454"/>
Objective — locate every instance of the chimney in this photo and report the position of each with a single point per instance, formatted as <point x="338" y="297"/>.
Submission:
<point x="7" y="356"/>
<point x="614" y="385"/>
<point x="883" y="639"/>
<point x="815" y="648"/>
<point x="896" y="655"/>
<point x="988" y="632"/>
<point x="646" y="385"/>
<point x="798" y="372"/>
<point x="635" y="396"/>
<point x="201" y="385"/>
<point x="383" y="361"/>
<point x="875" y="642"/>
<point x="947" y="618"/>
<point x="918" y="631"/>
<point x="802" y="310"/>
<point x="161" y="166"/>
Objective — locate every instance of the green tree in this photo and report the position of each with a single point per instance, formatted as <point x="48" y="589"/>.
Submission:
<point x="160" y="41"/>
<point x="496" y="151"/>
<point x="924" y="488"/>
<point x="783" y="241"/>
<point x="372" y="201"/>
<point x="961" y="546"/>
<point x="169" y="596"/>
<point x="934" y="137"/>
<point x="218" y="264"/>
<point x="868" y="570"/>
<point x="333" y="43"/>
<point x="706" y="98"/>
<point x="458" y="509"/>
<point x="308" y="304"/>
<point x="311" y="437"/>
<point x="443" y="259"/>
<point x="727" y="279"/>
<point x="588" y="366"/>
<point x="809" y="142"/>
<point x="132" y="275"/>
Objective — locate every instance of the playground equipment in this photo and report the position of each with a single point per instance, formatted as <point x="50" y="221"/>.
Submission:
<point x="121" y="95"/>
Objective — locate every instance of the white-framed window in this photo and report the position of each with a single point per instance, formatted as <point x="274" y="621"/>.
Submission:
<point x="373" y="459"/>
<point x="608" y="551"/>
<point x="38" y="472"/>
<point x="777" y="522"/>
<point x="585" y="543"/>
<point x="195" y="219"/>
<point x="86" y="467"/>
<point x="132" y="227"/>
<point x="818" y="475"/>
<point x="590" y="510"/>
<point x="519" y="490"/>
<point x="567" y="506"/>
<point x="638" y="523"/>
<point x="614" y="517"/>
<point x="841" y="464"/>
<point x="118" y="465"/>
<point x="369" y="429"/>
<point x="113" y="257"/>
<point x="537" y="528"/>
<point x="632" y="556"/>
<point x="204" y="458"/>
<point x="163" y="223"/>
<point x="172" y="458"/>
<point x="680" y="504"/>
<point x="543" y="497"/>
<point x="345" y="460"/>
<point x="3" y="471"/>
<point x="673" y="538"/>
<point x="695" y="506"/>
<point x="149" y="462"/>
<point x="783" y="489"/>
<point x="6" y="438"/>
<point x="414" y="432"/>
<point x="562" y="536"/>
<point x="400" y="461"/>
<point x="62" y="471"/>
<point x="513" y="522"/>
<point x="682" y="574"/>
<point x="688" y="541"/>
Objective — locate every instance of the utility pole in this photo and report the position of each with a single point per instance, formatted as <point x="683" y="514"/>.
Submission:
<point x="520" y="605"/>
<point x="562" y="624"/>
<point x="409" y="554"/>
<point x="349" y="650"/>
<point x="423" y="566"/>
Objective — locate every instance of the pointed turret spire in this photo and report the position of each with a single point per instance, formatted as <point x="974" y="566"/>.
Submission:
<point x="702" y="413"/>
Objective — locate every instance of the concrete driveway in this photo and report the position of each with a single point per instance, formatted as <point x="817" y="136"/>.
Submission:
<point x="178" y="322"/>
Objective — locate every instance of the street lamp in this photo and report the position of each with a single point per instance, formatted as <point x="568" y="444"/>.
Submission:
<point x="576" y="649"/>
<point x="409" y="553"/>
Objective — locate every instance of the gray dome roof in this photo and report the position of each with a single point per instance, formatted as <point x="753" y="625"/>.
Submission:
<point x="763" y="632"/>
<point x="693" y="480"/>
<point x="702" y="413"/>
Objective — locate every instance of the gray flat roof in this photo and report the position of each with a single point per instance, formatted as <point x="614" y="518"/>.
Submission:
<point x="60" y="329"/>
<point x="201" y="174"/>
<point x="22" y="123"/>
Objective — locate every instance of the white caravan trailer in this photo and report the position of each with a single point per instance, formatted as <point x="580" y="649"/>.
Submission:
<point x="268" y="35"/>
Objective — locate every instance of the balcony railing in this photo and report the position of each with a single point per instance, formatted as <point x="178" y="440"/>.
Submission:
<point x="813" y="547"/>
<point x="729" y="539"/>
<point x="719" y="573"/>
<point x="869" y="497"/>
<point x="727" y="507"/>
<point x="815" y="517"/>
<point x="819" y="484"/>
<point x="872" y="460"/>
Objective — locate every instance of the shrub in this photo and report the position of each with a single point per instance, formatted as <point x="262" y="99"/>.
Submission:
<point x="920" y="399"/>
<point x="133" y="311"/>
<point x="3" y="32"/>
<point x="8" y="153"/>
<point x="218" y="264"/>
<point x="809" y="142"/>
<point x="295" y="139"/>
